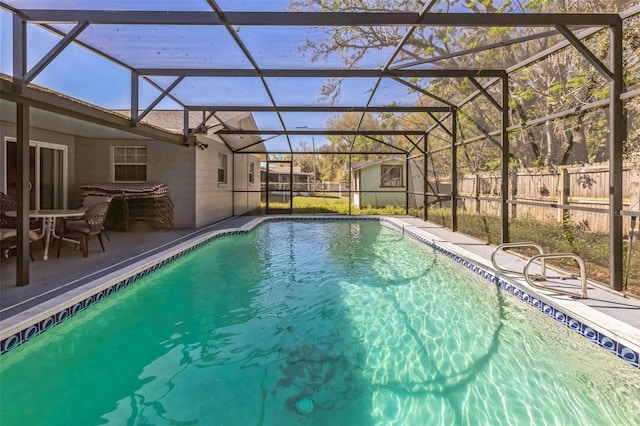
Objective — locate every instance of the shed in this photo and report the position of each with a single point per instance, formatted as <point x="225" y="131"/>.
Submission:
<point x="379" y="183"/>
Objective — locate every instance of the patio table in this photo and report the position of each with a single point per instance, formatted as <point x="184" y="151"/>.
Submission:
<point x="48" y="223"/>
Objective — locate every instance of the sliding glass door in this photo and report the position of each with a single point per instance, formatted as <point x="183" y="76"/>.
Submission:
<point x="47" y="174"/>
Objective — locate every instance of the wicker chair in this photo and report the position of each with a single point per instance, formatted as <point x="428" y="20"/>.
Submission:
<point x="89" y="201"/>
<point x="8" y="226"/>
<point x="7" y="203"/>
<point x="90" y="224"/>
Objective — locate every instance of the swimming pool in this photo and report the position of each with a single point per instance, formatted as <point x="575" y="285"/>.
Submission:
<point x="314" y="323"/>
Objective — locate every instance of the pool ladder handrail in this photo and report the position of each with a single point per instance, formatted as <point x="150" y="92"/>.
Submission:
<point x="542" y="257"/>
<point x="502" y="246"/>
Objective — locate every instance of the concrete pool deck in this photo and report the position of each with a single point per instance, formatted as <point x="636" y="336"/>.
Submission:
<point x="55" y="279"/>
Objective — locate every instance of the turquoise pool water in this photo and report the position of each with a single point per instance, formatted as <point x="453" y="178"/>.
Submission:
<point x="344" y="323"/>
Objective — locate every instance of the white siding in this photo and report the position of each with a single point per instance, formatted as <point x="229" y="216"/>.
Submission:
<point x="166" y="163"/>
<point x="244" y="202"/>
<point x="214" y="200"/>
<point x="174" y="165"/>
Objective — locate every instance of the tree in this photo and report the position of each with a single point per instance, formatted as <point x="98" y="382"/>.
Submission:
<point x="332" y="167"/>
<point x="563" y="81"/>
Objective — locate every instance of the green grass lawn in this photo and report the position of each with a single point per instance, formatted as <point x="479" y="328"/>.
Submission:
<point x="310" y="205"/>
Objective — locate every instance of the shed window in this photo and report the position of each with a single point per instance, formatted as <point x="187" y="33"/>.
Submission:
<point x="391" y="176"/>
<point x="130" y="163"/>
<point x="222" y="168"/>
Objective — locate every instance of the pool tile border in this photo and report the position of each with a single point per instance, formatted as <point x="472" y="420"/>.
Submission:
<point x="29" y="331"/>
<point x="33" y="330"/>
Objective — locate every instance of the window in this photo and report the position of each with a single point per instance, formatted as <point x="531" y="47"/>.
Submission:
<point x="391" y="176"/>
<point x="251" y="172"/>
<point x="222" y="168"/>
<point x="130" y="163"/>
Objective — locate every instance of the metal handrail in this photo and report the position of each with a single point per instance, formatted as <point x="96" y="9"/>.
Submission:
<point x="500" y="247"/>
<point x="542" y="257"/>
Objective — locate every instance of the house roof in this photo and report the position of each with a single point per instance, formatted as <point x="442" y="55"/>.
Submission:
<point x="365" y="164"/>
<point x="285" y="171"/>
<point x="199" y="123"/>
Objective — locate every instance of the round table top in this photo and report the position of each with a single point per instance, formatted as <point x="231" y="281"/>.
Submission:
<point x="49" y="213"/>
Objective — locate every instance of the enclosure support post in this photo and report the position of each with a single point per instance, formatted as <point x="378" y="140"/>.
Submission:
<point x="233" y="184"/>
<point x="266" y="187"/>
<point x="291" y="185"/>
<point x="135" y="97"/>
<point x="425" y="213"/>
<point x="19" y="54"/>
<point x="616" y="144"/>
<point x="454" y="171"/>
<point x="406" y="173"/>
<point x="185" y="126"/>
<point x="22" y="152"/>
<point x="504" y="163"/>
<point x="22" y="194"/>
<point x="349" y="183"/>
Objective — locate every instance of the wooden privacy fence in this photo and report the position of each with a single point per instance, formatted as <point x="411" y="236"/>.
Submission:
<point x="540" y="194"/>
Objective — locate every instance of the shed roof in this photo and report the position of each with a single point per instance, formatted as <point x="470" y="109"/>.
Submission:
<point x="365" y="164"/>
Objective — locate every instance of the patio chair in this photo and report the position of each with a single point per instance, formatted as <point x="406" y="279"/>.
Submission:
<point x="90" y="224"/>
<point x="8" y="226"/>
<point x="9" y="240"/>
<point x="7" y="203"/>
<point x="90" y="201"/>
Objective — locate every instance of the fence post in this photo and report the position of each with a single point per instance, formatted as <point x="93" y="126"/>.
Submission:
<point x="513" y="183"/>
<point x="476" y="179"/>
<point x="563" y="195"/>
<point x="634" y="190"/>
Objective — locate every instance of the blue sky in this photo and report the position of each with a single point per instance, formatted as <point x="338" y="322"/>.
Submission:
<point x="77" y="72"/>
<point x="81" y="74"/>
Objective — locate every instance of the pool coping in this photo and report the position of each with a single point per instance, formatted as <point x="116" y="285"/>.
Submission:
<point x="617" y="337"/>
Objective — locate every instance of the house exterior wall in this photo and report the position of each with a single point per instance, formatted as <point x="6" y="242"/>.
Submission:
<point x="8" y="130"/>
<point x="174" y="165"/>
<point x="190" y="173"/>
<point x="280" y="180"/>
<point x="370" y="181"/>
<point x="91" y="166"/>
<point x="244" y="202"/>
<point x="214" y="200"/>
<point x="170" y="164"/>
